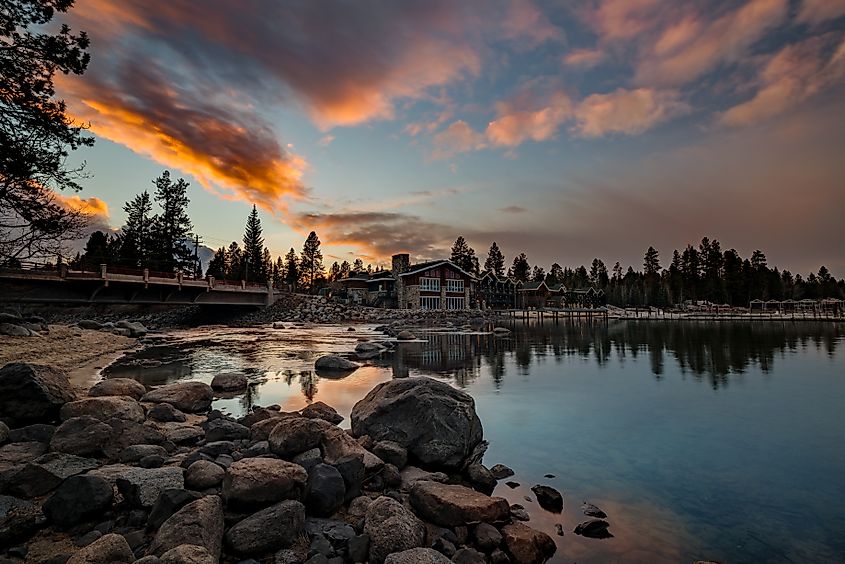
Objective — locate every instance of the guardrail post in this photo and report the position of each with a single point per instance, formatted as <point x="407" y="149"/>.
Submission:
<point x="243" y="284"/>
<point x="146" y="275"/>
<point x="103" y="271"/>
<point x="179" y="279"/>
<point x="210" y="280"/>
<point x="63" y="270"/>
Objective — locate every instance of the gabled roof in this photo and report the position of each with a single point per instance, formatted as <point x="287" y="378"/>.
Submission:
<point x="496" y="278"/>
<point x="415" y="268"/>
<point x="531" y="286"/>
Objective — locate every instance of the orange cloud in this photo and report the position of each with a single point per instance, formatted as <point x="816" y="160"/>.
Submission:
<point x="794" y="74"/>
<point x="623" y="19"/>
<point x="459" y="137"/>
<point x="93" y="207"/>
<point x="814" y="12"/>
<point x="584" y="58"/>
<point x="686" y="50"/>
<point x="514" y="126"/>
<point x="626" y="111"/>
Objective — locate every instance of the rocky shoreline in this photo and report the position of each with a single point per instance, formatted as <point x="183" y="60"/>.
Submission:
<point x="127" y="474"/>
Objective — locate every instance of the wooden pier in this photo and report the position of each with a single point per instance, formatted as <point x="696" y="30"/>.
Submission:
<point x="599" y="313"/>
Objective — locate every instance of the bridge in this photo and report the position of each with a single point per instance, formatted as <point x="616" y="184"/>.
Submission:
<point x="114" y="285"/>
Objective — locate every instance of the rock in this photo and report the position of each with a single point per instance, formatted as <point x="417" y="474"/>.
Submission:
<point x="141" y="486"/>
<point x="135" y="329"/>
<point x="326" y="490"/>
<point x="165" y="413"/>
<point x="178" y="433"/>
<point x="126" y="433"/>
<point x="352" y="470"/>
<point x="559" y="529"/>
<point x="499" y="556"/>
<point x="591" y="510"/>
<point x="37" y="432"/>
<point x="89" y="324"/>
<point x="81" y="436"/>
<point x="392" y="453"/>
<point x="278" y="325"/>
<point x="527" y="545"/>
<point x="43" y="474"/>
<point x="260" y="430"/>
<point x="334" y="363"/>
<point x="295" y="435"/>
<point x="168" y="503"/>
<point x="104" y="408"/>
<point x="15" y="454"/>
<point x="78" y="499"/>
<point x="417" y="556"/>
<point x="19" y="520"/>
<point x="32" y="393"/>
<point x="257" y="482"/>
<point x="319" y="410"/>
<point x="368" y="348"/>
<point x="337" y="445"/>
<point x="108" y="549"/>
<point x="453" y="505"/>
<point x="500" y="471"/>
<point x="519" y="513"/>
<point x="191" y="397"/>
<point x="134" y="453"/>
<point x="308" y="459"/>
<point x="434" y="421"/>
<point x="203" y="474"/>
<point x="411" y="475"/>
<point x="549" y="498"/>
<point x="270" y="529"/>
<point x="481" y="478"/>
<point x="358" y="547"/>
<point x="593" y="528"/>
<point x="118" y="387"/>
<point x="468" y="556"/>
<point x="4" y="433"/>
<point x="487" y="537"/>
<point x="151" y="461"/>
<point x="229" y="382"/>
<point x="225" y="430"/>
<point x="406" y="336"/>
<point x="501" y="330"/>
<point x="358" y="507"/>
<point x="198" y="523"/>
<point x="12" y="330"/>
<point x="391" y="528"/>
<point x="188" y="554"/>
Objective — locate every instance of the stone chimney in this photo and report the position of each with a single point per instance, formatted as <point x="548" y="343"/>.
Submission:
<point x="401" y="263"/>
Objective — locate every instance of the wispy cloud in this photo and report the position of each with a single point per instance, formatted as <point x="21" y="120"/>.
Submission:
<point x="626" y="111"/>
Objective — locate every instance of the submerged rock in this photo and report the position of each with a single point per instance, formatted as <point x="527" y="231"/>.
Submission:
<point x="334" y="363"/>
<point x="549" y="498"/>
<point x="500" y="471"/>
<point x="591" y="510"/>
<point x="434" y="421"/>
<point x="229" y="382"/>
<point x="593" y="528"/>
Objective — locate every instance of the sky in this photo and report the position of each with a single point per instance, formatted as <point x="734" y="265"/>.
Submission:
<point x="565" y="130"/>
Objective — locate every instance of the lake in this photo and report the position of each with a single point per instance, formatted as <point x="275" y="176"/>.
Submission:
<point x="701" y="440"/>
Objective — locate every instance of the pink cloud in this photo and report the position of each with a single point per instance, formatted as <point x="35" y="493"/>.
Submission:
<point x="626" y="111"/>
<point x="514" y="126"/>
<point x="794" y="74"/>
<point x="524" y="21"/>
<point x="584" y="58"/>
<point x="459" y="137"/>
<point x="814" y="12"/>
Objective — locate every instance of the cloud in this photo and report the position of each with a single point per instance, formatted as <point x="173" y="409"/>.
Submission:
<point x="686" y="49"/>
<point x="194" y="130"/>
<point x="584" y="58"/>
<point x="794" y="74"/>
<point x="525" y="22"/>
<point x="93" y="207"/>
<point x="626" y="111"/>
<point x="513" y="209"/>
<point x="326" y="140"/>
<point x="815" y="12"/>
<point x="459" y="137"/>
<point x="514" y="125"/>
<point x="623" y="19"/>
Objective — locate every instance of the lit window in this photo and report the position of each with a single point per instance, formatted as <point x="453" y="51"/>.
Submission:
<point x="429" y="302"/>
<point x="454" y="303"/>
<point x="454" y="285"/>
<point x="430" y="284"/>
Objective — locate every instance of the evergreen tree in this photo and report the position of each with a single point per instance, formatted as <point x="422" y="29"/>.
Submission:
<point x="358" y="265"/>
<point x="538" y="274"/>
<point x="311" y="261"/>
<point x="334" y="272"/>
<point x="234" y="262"/>
<point x="266" y="265"/>
<point x="464" y="256"/>
<point x="218" y="266"/>
<point x="344" y="270"/>
<point x="598" y="273"/>
<point x="279" y="273"/>
<point x="253" y="251"/>
<point x="495" y="260"/>
<point x="137" y="233"/>
<point x="172" y="225"/>
<point x="291" y="269"/>
<point x="555" y="275"/>
<point x="520" y="268"/>
<point x="98" y="251"/>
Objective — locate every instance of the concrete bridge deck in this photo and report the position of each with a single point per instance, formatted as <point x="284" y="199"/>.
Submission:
<point x="113" y="285"/>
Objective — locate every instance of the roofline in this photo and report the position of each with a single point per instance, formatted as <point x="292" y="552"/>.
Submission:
<point x="436" y="264"/>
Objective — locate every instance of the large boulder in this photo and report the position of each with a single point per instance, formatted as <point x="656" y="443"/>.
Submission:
<point x="391" y="528"/>
<point x="204" y="474"/>
<point x="527" y="545"/>
<point x="13" y="330"/>
<point x="118" y="387"/>
<point x="257" y="482"/>
<point x="326" y="490"/>
<point x="270" y="529"/>
<point x="320" y="410"/>
<point x="168" y="503"/>
<point x="292" y="436"/>
<point x="434" y="421"/>
<point x="199" y="523"/>
<point x="229" y="382"/>
<point x="192" y="397"/>
<point x="453" y="505"/>
<point x="38" y="432"/>
<point x="108" y="549"/>
<point x="338" y="445"/>
<point x="81" y="436"/>
<point x="43" y="474"/>
<point x="32" y="393"/>
<point x="104" y="408"/>
<point x="142" y="486"/>
<point x="417" y="556"/>
<point x="78" y="499"/>
<point x="549" y="498"/>
<point x="188" y="554"/>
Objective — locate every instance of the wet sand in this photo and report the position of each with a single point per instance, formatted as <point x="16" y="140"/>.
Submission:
<point x="82" y="353"/>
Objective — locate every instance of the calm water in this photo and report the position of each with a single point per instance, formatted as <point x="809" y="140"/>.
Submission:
<point x="720" y="441"/>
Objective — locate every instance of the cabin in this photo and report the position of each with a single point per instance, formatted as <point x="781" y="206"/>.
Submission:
<point x="496" y="292"/>
<point x="542" y="295"/>
<point x="376" y="289"/>
<point x="438" y="284"/>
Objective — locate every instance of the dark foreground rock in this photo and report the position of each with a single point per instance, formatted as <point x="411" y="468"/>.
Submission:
<point x="434" y="421"/>
<point x="527" y="545"/>
<point x="549" y="498"/>
<point x="32" y="393"/>
<point x="391" y="528"/>
<point x="78" y="499"/>
<point x="593" y="528"/>
<point x="190" y="397"/>
<point x="199" y="523"/>
<point x="270" y="529"/>
<point x="454" y="505"/>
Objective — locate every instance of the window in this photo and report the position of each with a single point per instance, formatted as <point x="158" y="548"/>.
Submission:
<point x="428" y="302"/>
<point x="454" y="285"/>
<point x="430" y="284"/>
<point x="454" y="303"/>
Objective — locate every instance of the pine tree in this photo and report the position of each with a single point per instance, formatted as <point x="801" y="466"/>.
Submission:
<point x="234" y="262"/>
<point x="266" y="265"/>
<point x="254" y="248"/>
<point x="311" y="261"/>
<point x="137" y="233"/>
<point x="334" y="272"/>
<point x="555" y="275"/>
<point x="279" y="273"/>
<point x="495" y="260"/>
<point x="218" y="267"/>
<point x="358" y="265"/>
<point x="538" y="274"/>
<point x="292" y="268"/>
<point x="344" y="270"/>
<point x="172" y="225"/>
<point x="520" y="267"/>
<point x="464" y="256"/>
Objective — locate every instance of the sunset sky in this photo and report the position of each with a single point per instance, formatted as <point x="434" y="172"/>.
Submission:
<point x="567" y="130"/>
